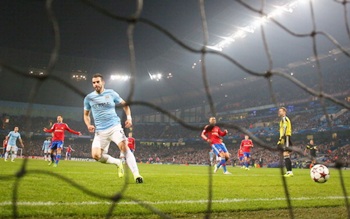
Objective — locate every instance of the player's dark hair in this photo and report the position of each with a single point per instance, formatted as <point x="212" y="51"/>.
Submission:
<point x="98" y="75"/>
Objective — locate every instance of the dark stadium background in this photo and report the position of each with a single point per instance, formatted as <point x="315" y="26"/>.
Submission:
<point x="93" y="43"/>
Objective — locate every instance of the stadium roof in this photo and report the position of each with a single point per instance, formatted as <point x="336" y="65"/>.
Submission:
<point x="92" y="41"/>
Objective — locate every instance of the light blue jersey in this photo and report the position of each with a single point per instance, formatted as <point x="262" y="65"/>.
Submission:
<point x="102" y="107"/>
<point x="46" y="145"/>
<point x="13" y="138"/>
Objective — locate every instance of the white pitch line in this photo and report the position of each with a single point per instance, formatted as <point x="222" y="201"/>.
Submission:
<point x="171" y="202"/>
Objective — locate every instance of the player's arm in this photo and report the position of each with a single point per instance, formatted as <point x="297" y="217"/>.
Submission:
<point x="72" y="131"/>
<point x="127" y="110"/>
<point x="50" y="130"/>
<point x="204" y="135"/>
<point x="87" y="121"/>
<point x="251" y="143"/>
<point x="222" y="133"/>
<point x="20" y="141"/>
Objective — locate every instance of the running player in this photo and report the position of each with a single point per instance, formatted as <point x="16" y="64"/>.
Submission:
<point x="212" y="134"/>
<point x="101" y="102"/>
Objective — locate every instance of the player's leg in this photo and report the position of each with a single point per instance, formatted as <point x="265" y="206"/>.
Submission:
<point x="246" y="160"/>
<point x="217" y="151"/>
<point x="52" y="152"/>
<point x="225" y="157"/>
<point x="288" y="163"/>
<point x="8" y="152"/>
<point x="119" y="138"/>
<point x="222" y="161"/>
<point x="130" y="161"/>
<point x="14" y="153"/>
<point x="58" y="154"/>
<point x="51" y="157"/>
<point x="6" y="155"/>
<point x="122" y="157"/>
<point x="286" y="156"/>
<point x="99" y="151"/>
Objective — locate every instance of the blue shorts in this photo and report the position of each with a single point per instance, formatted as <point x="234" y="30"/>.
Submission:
<point x="56" y="144"/>
<point x="246" y="154"/>
<point x="241" y="158"/>
<point x="218" y="148"/>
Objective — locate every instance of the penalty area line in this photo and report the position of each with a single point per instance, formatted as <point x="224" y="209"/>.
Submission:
<point x="170" y="202"/>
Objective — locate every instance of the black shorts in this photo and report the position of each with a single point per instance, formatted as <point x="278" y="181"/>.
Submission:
<point x="287" y="143"/>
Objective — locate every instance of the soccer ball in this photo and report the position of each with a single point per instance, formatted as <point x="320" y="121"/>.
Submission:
<point x="319" y="173"/>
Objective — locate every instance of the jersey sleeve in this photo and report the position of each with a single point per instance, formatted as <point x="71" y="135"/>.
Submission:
<point x="203" y="134"/>
<point x="87" y="106"/>
<point x="71" y="130"/>
<point x="116" y="98"/>
<point x="51" y="129"/>
<point x="221" y="133"/>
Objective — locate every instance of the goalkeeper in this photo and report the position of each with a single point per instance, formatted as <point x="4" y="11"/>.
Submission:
<point x="284" y="141"/>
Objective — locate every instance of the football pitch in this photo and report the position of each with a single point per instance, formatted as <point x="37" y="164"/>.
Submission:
<point x="78" y="189"/>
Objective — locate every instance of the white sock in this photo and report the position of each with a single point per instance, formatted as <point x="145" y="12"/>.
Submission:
<point x="131" y="161"/>
<point x="14" y="156"/>
<point x="6" y="155"/>
<point x="106" y="158"/>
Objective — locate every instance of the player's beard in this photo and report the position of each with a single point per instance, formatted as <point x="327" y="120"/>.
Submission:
<point x="98" y="89"/>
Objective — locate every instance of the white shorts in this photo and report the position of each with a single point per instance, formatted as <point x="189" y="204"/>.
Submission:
<point x="103" y="138"/>
<point x="13" y="148"/>
<point x="46" y="150"/>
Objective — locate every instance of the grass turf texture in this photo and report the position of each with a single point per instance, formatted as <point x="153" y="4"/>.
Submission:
<point x="77" y="189"/>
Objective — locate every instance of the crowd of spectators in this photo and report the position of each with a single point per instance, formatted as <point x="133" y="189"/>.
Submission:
<point x="307" y="118"/>
<point x="193" y="150"/>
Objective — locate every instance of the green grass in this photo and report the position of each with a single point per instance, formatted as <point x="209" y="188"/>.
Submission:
<point x="85" y="190"/>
